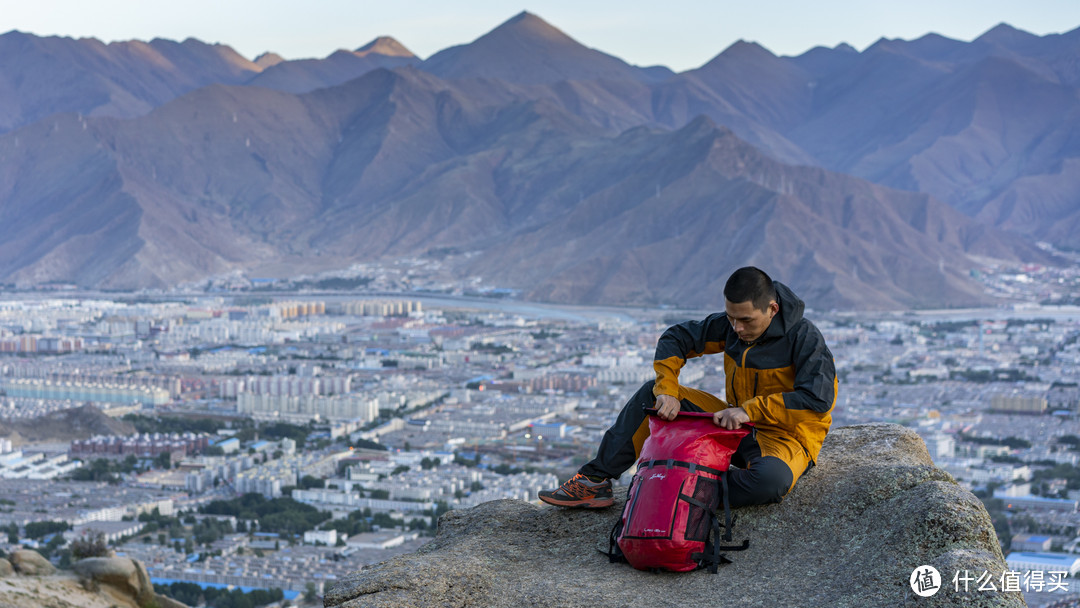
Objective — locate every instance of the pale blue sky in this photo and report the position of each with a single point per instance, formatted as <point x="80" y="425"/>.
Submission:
<point x="681" y="35"/>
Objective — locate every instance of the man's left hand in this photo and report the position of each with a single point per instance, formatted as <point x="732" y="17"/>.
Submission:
<point x="731" y="418"/>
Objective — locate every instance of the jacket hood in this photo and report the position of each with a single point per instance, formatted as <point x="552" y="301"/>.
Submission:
<point x="791" y="311"/>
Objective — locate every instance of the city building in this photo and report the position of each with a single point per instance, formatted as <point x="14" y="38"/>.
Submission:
<point x="1023" y="561"/>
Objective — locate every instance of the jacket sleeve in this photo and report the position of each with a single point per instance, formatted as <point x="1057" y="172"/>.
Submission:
<point x="685" y="341"/>
<point x="814" y="391"/>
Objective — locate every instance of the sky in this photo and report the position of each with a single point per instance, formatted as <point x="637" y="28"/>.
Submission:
<point x="679" y="34"/>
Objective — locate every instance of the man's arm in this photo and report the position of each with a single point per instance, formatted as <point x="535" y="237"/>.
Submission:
<point x="685" y="341"/>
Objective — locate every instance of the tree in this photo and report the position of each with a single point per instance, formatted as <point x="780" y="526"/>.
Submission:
<point x="310" y="593"/>
<point x="308" y="481"/>
<point x="163" y="460"/>
<point x="89" y="545"/>
<point x="40" y="529"/>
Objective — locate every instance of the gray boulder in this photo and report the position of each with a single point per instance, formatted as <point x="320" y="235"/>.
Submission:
<point x="851" y="534"/>
<point x="5" y="568"/>
<point x="127" y="575"/>
<point x="30" y="563"/>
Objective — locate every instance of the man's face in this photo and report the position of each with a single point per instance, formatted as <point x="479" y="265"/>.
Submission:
<point x="747" y="321"/>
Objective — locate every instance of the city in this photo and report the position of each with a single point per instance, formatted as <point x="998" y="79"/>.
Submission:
<point x="258" y="434"/>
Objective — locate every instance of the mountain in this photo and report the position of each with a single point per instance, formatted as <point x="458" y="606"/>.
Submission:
<point x="40" y="76"/>
<point x="400" y="163"/>
<point x="305" y="75"/>
<point x="747" y="89"/>
<point x="528" y="50"/>
<point x="668" y="216"/>
<point x="866" y="178"/>
<point x="268" y="59"/>
<point x="984" y="126"/>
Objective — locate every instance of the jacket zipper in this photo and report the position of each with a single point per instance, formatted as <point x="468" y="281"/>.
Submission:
<point x="736" y="370"/>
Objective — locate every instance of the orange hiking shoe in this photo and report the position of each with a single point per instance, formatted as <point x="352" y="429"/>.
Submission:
<point x="580" y="491"/>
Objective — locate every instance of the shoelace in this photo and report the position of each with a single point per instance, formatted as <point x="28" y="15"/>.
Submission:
<point x="573" y="487"/>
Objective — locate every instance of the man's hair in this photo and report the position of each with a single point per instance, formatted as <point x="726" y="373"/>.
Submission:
<point x="750" y="284"/>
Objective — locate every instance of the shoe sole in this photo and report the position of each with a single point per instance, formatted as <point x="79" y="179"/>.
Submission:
<point x="589" y="503"/>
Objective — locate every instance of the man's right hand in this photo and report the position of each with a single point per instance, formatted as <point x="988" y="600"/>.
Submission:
<point x="667" y="407"/>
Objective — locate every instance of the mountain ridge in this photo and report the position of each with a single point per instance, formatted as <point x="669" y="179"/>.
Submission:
<point x="174" y="161"/>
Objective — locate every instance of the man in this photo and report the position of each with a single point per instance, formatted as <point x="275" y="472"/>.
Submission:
<point x="780" y="376"/>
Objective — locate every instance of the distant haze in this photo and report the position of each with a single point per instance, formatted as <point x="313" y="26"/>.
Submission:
<point x="681" y="36"/>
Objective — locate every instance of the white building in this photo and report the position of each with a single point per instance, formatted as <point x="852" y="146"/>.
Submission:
<point x="940" y="445"/>
<point x="379" y="540"/>
<point x="326" y="537"/>
<point x="1023" y="561"/>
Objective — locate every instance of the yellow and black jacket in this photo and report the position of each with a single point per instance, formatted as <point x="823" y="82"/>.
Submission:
<point x="785" y="380"/>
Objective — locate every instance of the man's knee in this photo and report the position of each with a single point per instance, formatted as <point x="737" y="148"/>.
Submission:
<point x="777" y="475"/>
<point x="767" y="481"/>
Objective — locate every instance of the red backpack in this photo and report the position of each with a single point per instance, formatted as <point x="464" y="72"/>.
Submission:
<point x="669" y="521"/>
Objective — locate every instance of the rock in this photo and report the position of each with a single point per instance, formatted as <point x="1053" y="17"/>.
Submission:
<point x="168" y="602"/>
<point x="30" y="563"/>
<point x="125" y="574"/>
<point x="5" y="568"/>
<point x="850" y="534"/>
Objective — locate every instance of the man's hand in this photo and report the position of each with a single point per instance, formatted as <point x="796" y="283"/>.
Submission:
<point x="731" y="418"/>
<point x="667" y="407"/>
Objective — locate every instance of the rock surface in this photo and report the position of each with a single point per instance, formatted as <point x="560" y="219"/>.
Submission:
<point x="30" y="563"/>
<point x="128" y="575"/>
<point x="105" y="582"/>
<point x="850" y="534"/>
<point x="5" y="568"/>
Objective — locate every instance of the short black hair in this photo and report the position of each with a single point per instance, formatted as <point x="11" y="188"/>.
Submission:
<point x="750" y="284"/>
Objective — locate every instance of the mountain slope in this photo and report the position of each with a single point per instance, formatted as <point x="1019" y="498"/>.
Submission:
<point x="670" y="215"/>
<point x="397" y="163"/>
<point x="984" y="126"/>
<point x="43" y="76"/>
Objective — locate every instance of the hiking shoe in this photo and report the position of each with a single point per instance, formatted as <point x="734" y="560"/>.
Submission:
<point x="579" y="491"/>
